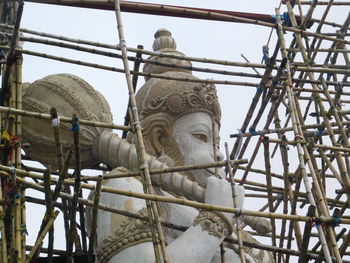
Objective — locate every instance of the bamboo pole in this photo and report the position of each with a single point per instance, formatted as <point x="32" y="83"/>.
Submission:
<point x="215" y="158"/>
<point x="237" y="219"/>
<point x="4" y="255"/>
<point x="297" y="129"/>
<point x="182" y="201"/>
<point x="54" y="196"/>
<point x="166" y="170"/>
<point x="137" y="62"/>
<point x="87" y="186"/>
<point x="269" y="190"/>
<point x="10" y="58"/>
<point x="316" y="183"/>
<point x="345" y="244"/>
<point x="325" y="3"/>
<point x="11" y="95"/>
<point x="41" y="237"/>
<point x="160" y="76"/>
<point x="152" y="209"/>
<point x="142" y="51"/>
<point x="55" y="123"/>
<point x="49" y="213"/>
<point x="287" y="129"/>
<point x="221" y="16"/>
<point x="136" y="59"/>
<point x="97" y="195"/>
<point x="267" y="124"/>
<point x="62" y="176"/>
<point x="9" y="110"/>
<point x="318" y="146"/>
<point x="77" y="188"/>
<point x="77" y="173"/>
<point x="306" y="236"/>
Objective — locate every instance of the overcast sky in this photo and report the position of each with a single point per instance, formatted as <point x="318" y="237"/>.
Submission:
<point x="199" y="38"/>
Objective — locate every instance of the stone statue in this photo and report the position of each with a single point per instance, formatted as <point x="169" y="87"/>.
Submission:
<point x="177" y="119"/>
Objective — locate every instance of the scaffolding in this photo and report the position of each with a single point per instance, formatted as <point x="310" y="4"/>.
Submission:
<point x="297" y="124"/>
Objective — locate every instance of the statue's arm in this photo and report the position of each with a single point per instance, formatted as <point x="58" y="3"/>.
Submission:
<point x="198" y="243"/>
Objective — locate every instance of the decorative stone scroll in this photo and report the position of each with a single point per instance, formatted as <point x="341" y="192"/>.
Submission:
<point x="130" y="232"/>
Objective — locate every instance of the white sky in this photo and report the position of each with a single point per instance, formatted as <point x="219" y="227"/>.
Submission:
<point x="221" y="40"/>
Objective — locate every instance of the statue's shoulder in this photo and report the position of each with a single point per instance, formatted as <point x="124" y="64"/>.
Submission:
<point x="126" y="183"/>
<point x="125" y="231"/>
<point x="121" y="179"/>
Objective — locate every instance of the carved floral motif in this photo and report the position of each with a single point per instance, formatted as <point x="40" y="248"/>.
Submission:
<point x="213" y="223"/>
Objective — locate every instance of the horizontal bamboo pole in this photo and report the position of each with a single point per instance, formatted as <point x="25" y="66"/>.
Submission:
<point x="45" y="250"/>
<point x="287" y="129"/>
<point x="132" y="58"/>
<point x="173" y="200"/>
<point x="149" y="75"/>
<point x="335" y="50"/>
<point x="322" y="99"/>
<point x="165" y="170"/>
<point x="142" y="51"/>
<point x="192" y="68"/>
<point x="324" y="70"/>
<point x="159" y="76"/>
<point x="318" y="146"/>
<point x="25" y="113"/>
<point x="324" y="3"/>
<point x="260" y="171"/>
<point x="152" y="75"/>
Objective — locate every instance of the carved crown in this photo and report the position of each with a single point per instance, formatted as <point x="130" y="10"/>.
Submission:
<point x="182" y="101"/>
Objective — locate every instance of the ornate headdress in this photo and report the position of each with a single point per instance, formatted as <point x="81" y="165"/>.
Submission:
<point x="174" y="97"/>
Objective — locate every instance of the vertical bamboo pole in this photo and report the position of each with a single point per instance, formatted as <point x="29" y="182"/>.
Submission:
<point x="238" y="223"/>
<point x="297" y="129"/>
<point x="17" y="98"/>
<point x="306" y="239"/>
<point x="269" y="188"/>
<point x="59" y="154"/>
<point x="49" y="212"/>
<point x="94" y="219"/>
<point x="73" y="235"/>
<point x="345" y="244"/>
<point x="4" y="255"/>
<point x="137" y="63"/>
<point x="215" y="157"/>
<point x="323" y="205"/>
<point x="152" y="207"/>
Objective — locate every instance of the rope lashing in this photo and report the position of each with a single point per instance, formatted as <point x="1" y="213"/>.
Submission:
<point x="75" y="125"/>
<point x="252" y="131"/>
<point x="55" y="122"/>
<point x="299" y="139"/>
<point x="320" y="130"/>
<point x="23" y="229"/>
<point x="259" y="89"/>
<point x="265" y="50"/>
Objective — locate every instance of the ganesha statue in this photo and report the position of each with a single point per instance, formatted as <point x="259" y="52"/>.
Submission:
<point x="177" y="120"/>
<point x="180" y="123"/>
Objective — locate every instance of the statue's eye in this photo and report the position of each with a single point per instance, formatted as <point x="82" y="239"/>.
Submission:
<point x="201" y="136"/>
